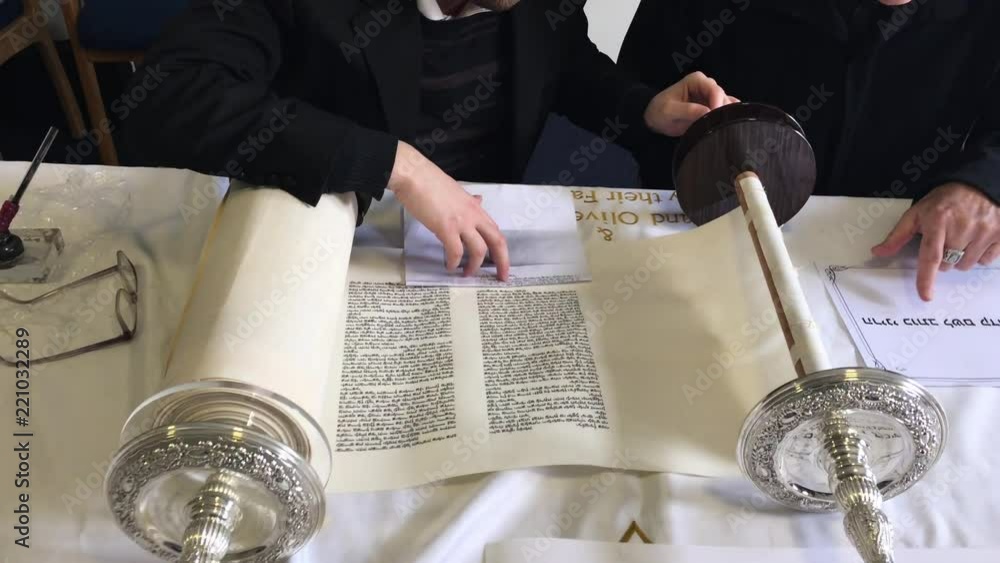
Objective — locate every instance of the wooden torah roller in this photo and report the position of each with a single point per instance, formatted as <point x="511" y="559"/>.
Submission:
<point x="740" y="138"/>
<point x="833" y="438"/>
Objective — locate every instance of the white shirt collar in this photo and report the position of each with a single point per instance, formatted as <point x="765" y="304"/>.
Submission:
<point x="431" y="10"/>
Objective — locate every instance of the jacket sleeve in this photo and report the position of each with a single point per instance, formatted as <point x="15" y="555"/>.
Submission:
<point x="215" y="110"/>
<point x="594" y="93"/>
<point x="649" y="52"/>
<point x="978" y="163"/>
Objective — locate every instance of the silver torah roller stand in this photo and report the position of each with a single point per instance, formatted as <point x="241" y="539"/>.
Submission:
<point x="217" y="471"/>
<point x="833" y="438"/>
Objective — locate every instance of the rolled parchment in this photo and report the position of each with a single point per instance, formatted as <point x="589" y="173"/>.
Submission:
<point x="265" y="306"/>
<point x="803" y="334"/>
<point x="228" y="458"/>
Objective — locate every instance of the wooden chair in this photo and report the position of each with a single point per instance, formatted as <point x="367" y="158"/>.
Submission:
<point x="18" y="31"/>
<point x="111" y="31"/>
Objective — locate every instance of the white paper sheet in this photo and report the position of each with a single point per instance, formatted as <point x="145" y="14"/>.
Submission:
<point x="948" y="341"/>
<point x="542" y="240"/>
<point x="573" y="551"/>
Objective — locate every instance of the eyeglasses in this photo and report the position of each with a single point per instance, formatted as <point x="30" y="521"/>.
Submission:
<point x="126" y="309"/>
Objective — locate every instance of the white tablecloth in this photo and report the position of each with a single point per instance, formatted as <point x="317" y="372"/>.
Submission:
<point x="160" y="218"/>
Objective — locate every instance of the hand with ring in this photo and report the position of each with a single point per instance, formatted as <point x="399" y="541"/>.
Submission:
<point x="960" y="227"/>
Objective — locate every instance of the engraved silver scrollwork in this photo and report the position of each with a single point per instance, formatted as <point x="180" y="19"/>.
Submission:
<point x="222" y="464"/>
<point x="781" y="447"/>
<point x="844" y="439"/>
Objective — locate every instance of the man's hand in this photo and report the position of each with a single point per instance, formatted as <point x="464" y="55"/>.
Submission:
<point x="952" y="216"/>
<point x="455" y="217"/>
<point x="673" y="110"/>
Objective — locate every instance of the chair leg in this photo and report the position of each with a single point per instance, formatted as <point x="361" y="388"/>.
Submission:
<point x="57" y="73"/>
<point x="95" y="108"/>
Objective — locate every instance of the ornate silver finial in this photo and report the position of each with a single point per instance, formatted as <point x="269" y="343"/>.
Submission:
<point x="205" y="492"/>
<point x="214" y="514"/>
<point x="844" y="439"/>
<point x="856" y="491"/>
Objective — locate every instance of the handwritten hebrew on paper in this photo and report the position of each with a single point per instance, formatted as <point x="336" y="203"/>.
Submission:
<point x="949" y="341"/>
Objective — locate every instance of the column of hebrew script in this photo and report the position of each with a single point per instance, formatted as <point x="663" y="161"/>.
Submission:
<point x="397" y="382"/>
<point x="537" y="359"/>
<point x="411" y="399"/>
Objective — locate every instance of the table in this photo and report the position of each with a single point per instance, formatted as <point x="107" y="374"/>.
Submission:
<point x="160" y="218"/>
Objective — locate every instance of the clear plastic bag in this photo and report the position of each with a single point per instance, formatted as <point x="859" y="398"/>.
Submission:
<point x="88" y="205"/>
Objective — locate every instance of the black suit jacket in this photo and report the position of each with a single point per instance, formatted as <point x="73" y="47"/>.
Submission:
<point x="313" y="95"/>
<point x="895" y="101"/>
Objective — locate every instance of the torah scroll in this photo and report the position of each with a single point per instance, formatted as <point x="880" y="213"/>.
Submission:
<point x="264" y="310"/>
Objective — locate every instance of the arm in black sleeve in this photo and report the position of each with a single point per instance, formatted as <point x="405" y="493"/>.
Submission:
<point x="597" y="95"/>
<point x="653" y="46"/>
<point x="217" y="97"/>
<point x="653" y="52"/>
<point x="978" y="163"/>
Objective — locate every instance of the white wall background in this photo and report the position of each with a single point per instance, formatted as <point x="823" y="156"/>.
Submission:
<point x="609" y="20"/>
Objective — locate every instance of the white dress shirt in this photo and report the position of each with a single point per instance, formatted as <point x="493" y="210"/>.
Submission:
<point x="432" y="11"/>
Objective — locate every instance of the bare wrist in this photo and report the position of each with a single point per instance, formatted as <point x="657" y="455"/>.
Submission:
<point x="647" y="116"/>
<point x="652" y="115"/>
<point x="402" y="168"/>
